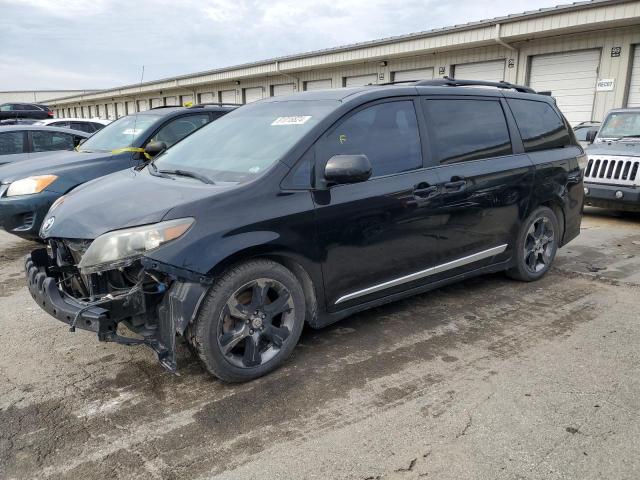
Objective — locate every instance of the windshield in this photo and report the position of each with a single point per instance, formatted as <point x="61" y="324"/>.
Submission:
<point x="244" y="143"/>
<point x="618" y="125"/>
<point x="118" y="134"/>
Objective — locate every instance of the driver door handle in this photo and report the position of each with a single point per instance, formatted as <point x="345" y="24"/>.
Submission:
<point x="424" y="190"/>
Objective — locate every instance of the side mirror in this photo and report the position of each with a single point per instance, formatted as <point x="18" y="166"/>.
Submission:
<point x="591" y="135"/>
<point x="341" y="169"/>
<point x="155" y="148"/>
<point x="80" y="142"/>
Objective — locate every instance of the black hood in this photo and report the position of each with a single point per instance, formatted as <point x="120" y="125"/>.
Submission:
<point x="123" y="199"/>
<point x="55" y="163"/>
<point x="623" y="148"/>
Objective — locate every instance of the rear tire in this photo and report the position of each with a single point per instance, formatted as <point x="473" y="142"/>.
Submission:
<point x="250" y="321"/>
<point x="536" y="245"/>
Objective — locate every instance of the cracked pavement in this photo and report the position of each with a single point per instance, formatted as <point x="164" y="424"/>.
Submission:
<point x="489" y="378"/>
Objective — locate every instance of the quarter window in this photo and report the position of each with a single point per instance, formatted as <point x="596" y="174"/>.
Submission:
<point x="540" y="126"/>
<point x="11" y="143"/>
<point x="387" y="133"/>
<point x="50" y="141"/>
<point x="464" y="130"/>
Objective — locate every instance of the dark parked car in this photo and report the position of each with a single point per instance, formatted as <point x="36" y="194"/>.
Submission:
<point x="28" y="188"/>
<point x="25" y="110"/>
<point x="22" y="142"/>
<point x="309" y="208"/>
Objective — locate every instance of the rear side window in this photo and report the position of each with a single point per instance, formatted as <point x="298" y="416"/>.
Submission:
<point x="82" y="126"/>
<point x="540" y="125"/>
<point x="50" y="141"/>
<point x="11" y="143"/>
<point x="177" y="129"/>
<point x="387" y="133"/>
<point x="464" y="130"/>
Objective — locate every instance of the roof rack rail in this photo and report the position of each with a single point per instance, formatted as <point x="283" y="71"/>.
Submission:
<point x="399" y="82"/>
<point x="217" y="104"/>
<point x="163" y="106"/>
<point x="454" y="82"/>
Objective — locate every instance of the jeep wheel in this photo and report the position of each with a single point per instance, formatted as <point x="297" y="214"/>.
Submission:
<point x="536" y="245"/>
<point x="250" y="321"/>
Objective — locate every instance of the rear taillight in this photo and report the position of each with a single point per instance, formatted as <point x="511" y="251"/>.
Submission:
<point x="50" y="113"/>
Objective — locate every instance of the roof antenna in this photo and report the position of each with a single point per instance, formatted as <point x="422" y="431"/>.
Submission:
<point x="135" y="120"/>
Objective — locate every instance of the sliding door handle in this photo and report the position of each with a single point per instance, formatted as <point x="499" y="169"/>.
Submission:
<point x="455" y="186"/>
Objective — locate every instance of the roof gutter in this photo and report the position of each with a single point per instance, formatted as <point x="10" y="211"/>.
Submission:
<point x="499" y="39"/>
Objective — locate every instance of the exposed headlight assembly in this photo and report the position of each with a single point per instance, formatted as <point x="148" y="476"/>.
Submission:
<point x="120" y="248"/>
<point x="30" y="185"/>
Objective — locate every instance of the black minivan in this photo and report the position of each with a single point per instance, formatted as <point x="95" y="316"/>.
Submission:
<point x="309" y="208"/>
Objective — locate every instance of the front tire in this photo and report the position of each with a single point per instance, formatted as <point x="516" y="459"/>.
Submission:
<point x="250" y="321"/>
<point x="536" y="245"/>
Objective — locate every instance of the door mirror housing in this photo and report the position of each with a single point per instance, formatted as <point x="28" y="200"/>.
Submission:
<point x="81" y="141"/>
<point x="154" y="149"/>
<point x="341" y="169"/>
<point x="591" y="135"/>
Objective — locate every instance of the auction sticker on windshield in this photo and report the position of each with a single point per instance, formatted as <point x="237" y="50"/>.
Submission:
<point x="299" y="120"/>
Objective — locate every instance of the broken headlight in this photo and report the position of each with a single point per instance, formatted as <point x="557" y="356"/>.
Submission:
<point x="120" y="248"/>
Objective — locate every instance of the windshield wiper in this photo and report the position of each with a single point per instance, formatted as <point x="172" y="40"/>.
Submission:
<point x="187" y="173"/>
<point x="628" y="136"/>
<point x="153" y="170"/>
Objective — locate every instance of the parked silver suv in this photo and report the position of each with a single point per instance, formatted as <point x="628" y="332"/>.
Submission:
<point x="612" y="176"/>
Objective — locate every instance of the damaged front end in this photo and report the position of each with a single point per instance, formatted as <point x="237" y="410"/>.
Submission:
<point x="153" y="301"/>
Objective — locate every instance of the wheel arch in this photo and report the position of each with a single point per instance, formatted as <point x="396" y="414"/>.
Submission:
<point x="557" y="206"/>
<point x="307" y="273"/>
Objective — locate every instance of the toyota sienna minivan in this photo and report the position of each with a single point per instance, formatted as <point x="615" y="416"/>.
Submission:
<point x="309" y="208"/>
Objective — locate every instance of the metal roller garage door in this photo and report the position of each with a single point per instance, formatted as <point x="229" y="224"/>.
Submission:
<point x="120" y="110"/>
<point x="634" y="83"/>
<point x="317" y="84"/>
<point x="184" y="99"/>
<point x="286" y="89"/>
<point x="85" y="112"/>
<point x="131" y="107"/>
<point x="206" y="98"/>
<point x="228" y="96"/>
<point x="170" y="101"/>
<point x="492" y="71"/>
<point x="142" y="105"/>
<point x="156" y="102"/>
<point x="571" y="78"/>
<point x="418" y="74"/>
<point x="252" y="94"/>
<point x="111" y="114"/>
<point x="360" y="80"/>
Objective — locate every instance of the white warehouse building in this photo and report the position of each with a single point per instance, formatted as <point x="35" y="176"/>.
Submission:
<point x="587" y="54"/>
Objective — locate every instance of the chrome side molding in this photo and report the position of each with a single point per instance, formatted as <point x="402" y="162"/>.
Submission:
<point x="425" y="273"/>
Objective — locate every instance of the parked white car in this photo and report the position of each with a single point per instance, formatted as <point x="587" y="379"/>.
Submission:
<point x="89" y="125"/>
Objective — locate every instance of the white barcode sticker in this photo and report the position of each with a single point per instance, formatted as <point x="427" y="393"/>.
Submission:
<point x="299" y="120"/>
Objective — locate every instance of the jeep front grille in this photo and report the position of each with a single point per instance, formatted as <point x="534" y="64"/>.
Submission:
<point x="613" y="170"/>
